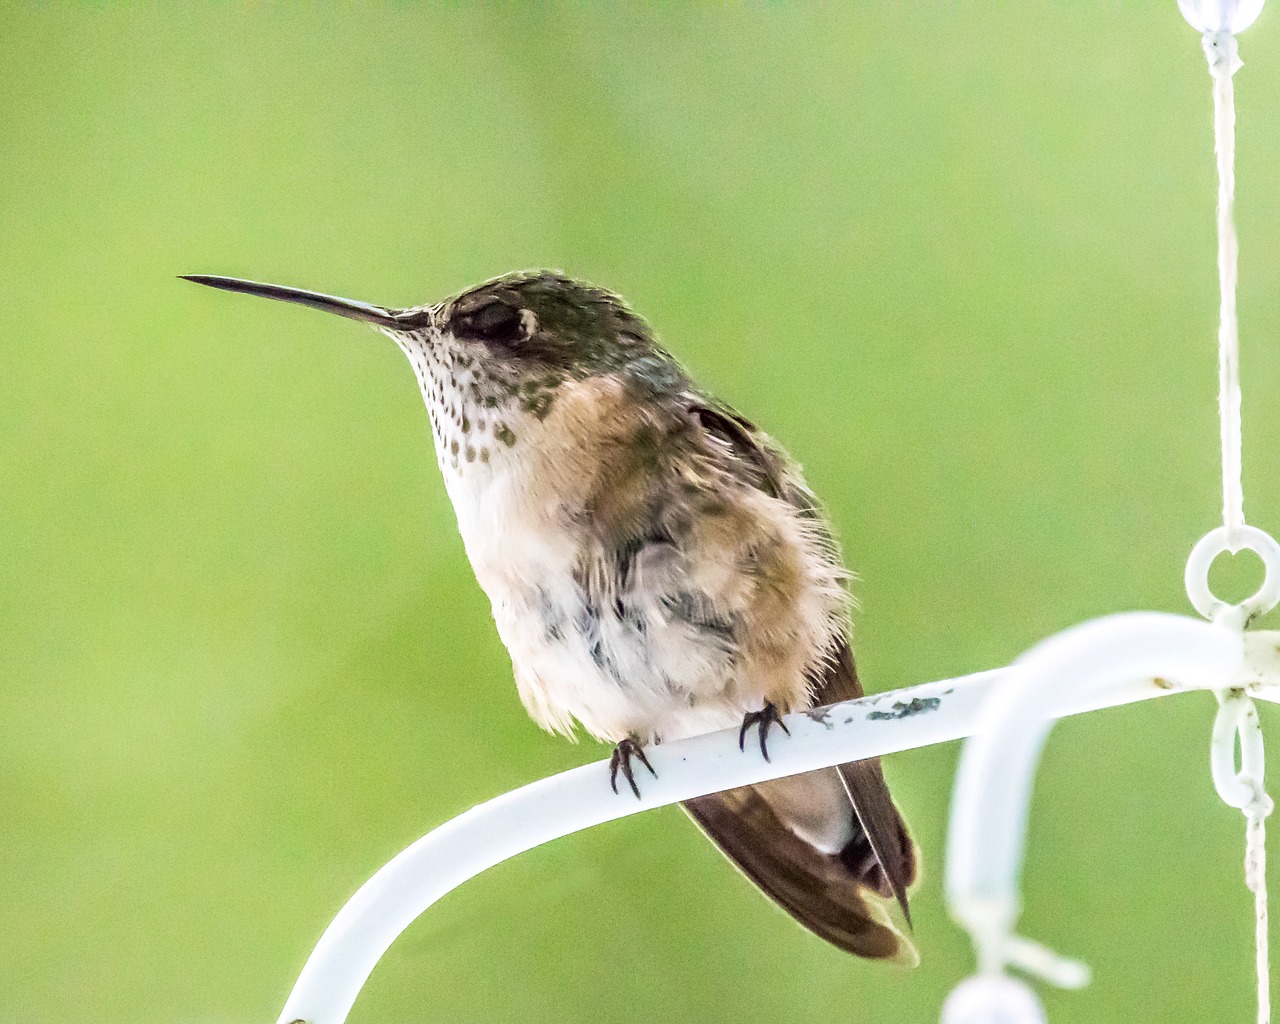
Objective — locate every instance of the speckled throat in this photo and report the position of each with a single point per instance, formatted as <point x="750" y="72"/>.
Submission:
<point x="475" y="407"/>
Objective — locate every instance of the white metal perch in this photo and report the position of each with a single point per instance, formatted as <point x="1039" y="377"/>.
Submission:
<point x="574" y="800"/>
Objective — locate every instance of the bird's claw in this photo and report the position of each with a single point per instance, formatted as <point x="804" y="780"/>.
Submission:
<point x="767" y="716"/>
<point x="621" y="762"/>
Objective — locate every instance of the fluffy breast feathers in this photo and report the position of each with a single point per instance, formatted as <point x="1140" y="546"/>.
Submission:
<point x="655" y="569"/>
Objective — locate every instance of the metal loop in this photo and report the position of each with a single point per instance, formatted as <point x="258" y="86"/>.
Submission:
<point x="1237" y="721"/>
<point x="1240" y="538"/>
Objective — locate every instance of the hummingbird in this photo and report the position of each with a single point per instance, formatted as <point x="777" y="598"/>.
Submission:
<point x="657" y="568"/>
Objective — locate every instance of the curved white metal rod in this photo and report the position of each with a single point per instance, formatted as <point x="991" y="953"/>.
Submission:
<point x="1096" y="662"/>
<point x="577" y="799"/>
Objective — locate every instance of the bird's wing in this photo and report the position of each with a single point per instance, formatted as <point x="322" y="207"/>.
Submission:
<point x="831" y="893"/>
<point x="882" y="825"/>
<point x="818" y="889"/>
<point x="755" y="460"/>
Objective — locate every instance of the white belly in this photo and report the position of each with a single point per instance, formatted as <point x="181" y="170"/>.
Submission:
<point x="620" y="668"/>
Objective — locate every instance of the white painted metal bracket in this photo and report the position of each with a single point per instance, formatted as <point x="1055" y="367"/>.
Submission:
<point x="574" y="800"/>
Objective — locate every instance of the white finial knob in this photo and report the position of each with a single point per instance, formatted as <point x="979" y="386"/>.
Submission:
<point x="1220" y="15"/>
<point x="992" y="999"/>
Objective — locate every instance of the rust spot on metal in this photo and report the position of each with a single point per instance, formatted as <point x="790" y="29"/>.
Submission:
<point x="905" y="709"/>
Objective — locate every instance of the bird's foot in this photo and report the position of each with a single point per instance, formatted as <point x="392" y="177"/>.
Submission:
<point x="621" y="762"/>
<point x="767" y="716"/>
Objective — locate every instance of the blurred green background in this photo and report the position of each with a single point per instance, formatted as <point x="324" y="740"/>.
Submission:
<point x="959" y="260"/>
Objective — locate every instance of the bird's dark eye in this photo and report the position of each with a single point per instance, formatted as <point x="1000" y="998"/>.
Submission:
<point x="495" y="321"/>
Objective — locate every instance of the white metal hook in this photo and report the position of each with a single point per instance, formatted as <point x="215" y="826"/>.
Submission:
<point x="993" y="783"/>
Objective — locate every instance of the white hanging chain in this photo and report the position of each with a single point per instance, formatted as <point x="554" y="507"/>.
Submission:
<point x="1237" y="720"/>
<point x="1243" y="789"/>
<point x="1255" y="866"/>
<point x="1221" y="50"/>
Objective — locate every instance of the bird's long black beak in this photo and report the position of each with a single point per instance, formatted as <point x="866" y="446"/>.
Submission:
<point x="362" y="311"/>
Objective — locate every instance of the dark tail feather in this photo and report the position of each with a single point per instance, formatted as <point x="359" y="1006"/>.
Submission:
<point x="882" y="832"/>
<point x="837" y="896"/>
<point x="863" y="781"/>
